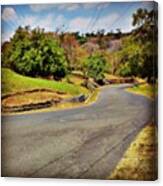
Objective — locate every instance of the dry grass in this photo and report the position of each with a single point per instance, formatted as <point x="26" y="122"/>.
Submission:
<point x="34" y="97"/>
<point x="110" y="76"/>
<point x="144" y="89"/>
<point x="140" y="160"/>
<point x="62" y="106"/>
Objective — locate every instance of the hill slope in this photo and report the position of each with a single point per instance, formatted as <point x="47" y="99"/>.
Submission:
<point x="13" y="82"/>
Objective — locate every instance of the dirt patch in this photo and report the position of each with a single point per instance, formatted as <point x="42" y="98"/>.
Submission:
<point x="32" y="91"/>
<point x="39" y="99"/>
<point x="31" y="99"/>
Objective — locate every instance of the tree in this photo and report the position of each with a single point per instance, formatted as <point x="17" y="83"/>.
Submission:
<point x="53" y="61"/>
<point x="6" y="53"/>
<point x="36" y="53"/>
<point x="69" y="43"/>
<point x="146" y="35"/>
<point x="130" y="58"/>
<point x="95" y="67"/>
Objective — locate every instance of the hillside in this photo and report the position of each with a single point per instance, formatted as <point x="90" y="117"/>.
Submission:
<point x="13" y="82"/>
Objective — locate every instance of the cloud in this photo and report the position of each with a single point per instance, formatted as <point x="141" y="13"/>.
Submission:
<point x="106" y="21"/>
<point x="93" y="5"/>
<point x="9" y="14"/>
<point x="41" y="7"/>
<point x="69" y="6"/>
<point x="34" y="21"/>
<point x="48" y="22"/>
<point x="89" y="5"/>
<point x="6" y="36"/>
<point x="27" y="20"/>
<point x="81" y="23"/>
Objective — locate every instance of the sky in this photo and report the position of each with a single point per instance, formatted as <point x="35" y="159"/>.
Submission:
<point x="71" y="17"/>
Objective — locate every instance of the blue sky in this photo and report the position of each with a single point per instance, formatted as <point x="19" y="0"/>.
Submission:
<point x="86" y="17"/>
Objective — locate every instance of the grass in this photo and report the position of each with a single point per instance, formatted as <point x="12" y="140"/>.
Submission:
<point x="110" y="76"/>
<point x="74" y="79"/>
<point x="62" y="106"/>
<point x="140" y="160"/>
<point x="93" y="97"/>
<point x="144" y="89"/>
<point x="13" y="82"/>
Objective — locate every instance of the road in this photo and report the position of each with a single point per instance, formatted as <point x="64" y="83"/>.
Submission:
<point x="85" y="142"/>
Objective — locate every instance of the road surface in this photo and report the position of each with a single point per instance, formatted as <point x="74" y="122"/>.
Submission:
<point x="85" y="142"/>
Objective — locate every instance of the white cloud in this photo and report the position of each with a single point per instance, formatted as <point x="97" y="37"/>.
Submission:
<point x="60" y="21"/>
<point x="69" y="6"/>
<point x="9" y="14"/>
<point x="47" y="23"/>
<point x="106" y="21"/>
<point x="41" y="7"/>
<point x="89" y="5"/>
<point x="81" y="23"/>
<point x="34" y="21"/>
<point x="27" y="20"/>
<point x="6" y="36"/>
<point x="93" y="5"/>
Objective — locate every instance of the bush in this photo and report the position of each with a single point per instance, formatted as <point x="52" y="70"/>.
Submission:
<point x="35" y="53"/>
<point x="95" y="67"/>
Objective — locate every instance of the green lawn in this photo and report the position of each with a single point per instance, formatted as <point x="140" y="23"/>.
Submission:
<point x="13" y="82"/>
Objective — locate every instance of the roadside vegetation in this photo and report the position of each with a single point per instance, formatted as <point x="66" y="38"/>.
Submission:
<point x="140" y="160"/>
<point x="145" y="89"/>
<point x="13" y="82"/>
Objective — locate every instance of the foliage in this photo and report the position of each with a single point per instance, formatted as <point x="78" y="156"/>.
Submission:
<point x="146" y="35"/>
<point x="130" y="58"/>
<point x="145" y="89"/>
<point x="95" y="67"/>
<point x="138" y="56"/>
<point x="35" y="53"/>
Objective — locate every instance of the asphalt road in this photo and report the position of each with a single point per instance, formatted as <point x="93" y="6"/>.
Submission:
<point x="85" y="142"/>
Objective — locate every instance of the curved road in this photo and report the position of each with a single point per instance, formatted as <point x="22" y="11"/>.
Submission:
<point x="84" y="142"/>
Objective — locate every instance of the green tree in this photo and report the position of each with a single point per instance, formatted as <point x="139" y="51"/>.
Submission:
<point x="146" y="35"/>
<point x="53" y="61"/>
<point x="37" y="53"/>
<point x="95" y="67"/>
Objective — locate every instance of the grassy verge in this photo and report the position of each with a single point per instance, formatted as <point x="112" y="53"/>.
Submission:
<point x="63" y="106"/>
<point x="140" y="160"/>
<point x="144" y="89"/>
<point x="13" y="82"/>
